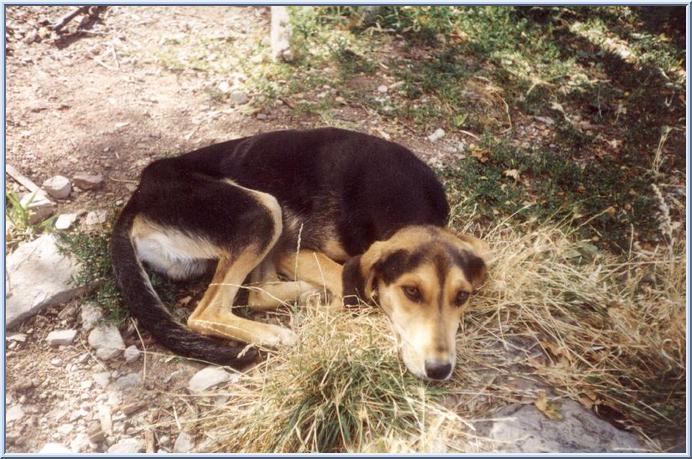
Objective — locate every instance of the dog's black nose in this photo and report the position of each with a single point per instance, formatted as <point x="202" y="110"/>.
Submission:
<point x="437" y="370"/>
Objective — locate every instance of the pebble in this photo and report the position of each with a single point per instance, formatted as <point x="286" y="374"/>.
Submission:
<point x="223" y="86"/>
<point x="129" y="381"/>
<point x="96" y="217"/>
<point x="40" y="206"/>
<point x="61" y="337"/>
<point x="65" y="429"/>
<point x="183" y="444"/>
<point x="207" y="378"/>
<point x="56" y="362"/>
<point x="58" y="187"/>
<point x="91" y="315"/>
<point x="102" y="379"/>
<point x="127" y="445"/>
<point x="107" y="341"/>
<point x="131" y="354"/>
<point x="382" y="88"/>
<point x="64" y="221"/>
<point x="14" y="413"/>
<point x="437" y="135"/>
<point x="87" y="181"/>
<point x="105" y="420"/>
<point x="81" y="443"/>
<point x="19" y="337"/>
<point x="86" y="384"/>
<point x="239" y="97"/>
<point x="262" y="116"/>
<point x="55" y="448"/>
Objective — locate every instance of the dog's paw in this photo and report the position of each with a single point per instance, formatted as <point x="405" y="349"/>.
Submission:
<point x="279" y="337"/>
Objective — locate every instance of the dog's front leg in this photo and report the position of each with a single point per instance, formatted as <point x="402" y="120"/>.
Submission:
<point x="315" y="268"/>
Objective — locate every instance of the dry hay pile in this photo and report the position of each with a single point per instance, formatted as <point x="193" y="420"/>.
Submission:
<point x="605" y="332"/>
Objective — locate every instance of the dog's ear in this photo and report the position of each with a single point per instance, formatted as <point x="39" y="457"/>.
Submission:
<point x="478" y="259"/>
<point x="359" y="276"/>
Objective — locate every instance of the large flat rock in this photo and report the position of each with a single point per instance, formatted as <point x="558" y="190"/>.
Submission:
<point x="37" y="276"/>
<point x="524" y="429"/>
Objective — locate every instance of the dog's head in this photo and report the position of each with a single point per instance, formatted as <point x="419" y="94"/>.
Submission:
<point x="422" y="277"/>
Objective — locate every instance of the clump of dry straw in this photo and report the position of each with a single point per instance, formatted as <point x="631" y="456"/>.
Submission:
<point x="606" y="331"/>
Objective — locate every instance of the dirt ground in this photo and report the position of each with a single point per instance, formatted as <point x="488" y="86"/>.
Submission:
<point x="95" y="101"/>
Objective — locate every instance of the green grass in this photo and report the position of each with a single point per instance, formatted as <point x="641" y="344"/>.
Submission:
<point x="92" y="252"/>
<point x="552" y="187"/>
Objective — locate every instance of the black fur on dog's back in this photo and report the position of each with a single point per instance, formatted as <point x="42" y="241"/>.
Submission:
<point x="340" y="185"/>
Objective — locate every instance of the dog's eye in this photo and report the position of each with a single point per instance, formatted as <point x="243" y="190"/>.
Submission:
<point x="461" y="298"/>
<point x="412" y="293"/>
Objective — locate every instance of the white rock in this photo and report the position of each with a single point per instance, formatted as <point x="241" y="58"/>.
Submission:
<point x="131" y="353"/>
<point x="14" y="413"/>
<point x="65" y="429"/>
<point x="56" y="362"/>
<point x="223" y="86"/>
<point x="19" y="337"/>
<point x="280" y="33"/>
<point x="127" y="445"/>
<point x="58" y="187"/>
<point x="129" y="381"/>
<point x="102" y="379"/>
<point x="183" y="444"/>
<point x="87" y="181"/>
<point x="64" y="221"/>
<point x="207" y="378"/>
<point x="107" y="341"/>
<point x="80" y="443"/>
<point x="382" y="88"/>
<point x="38" y="276"/>
<point x="239" y="97"/>
<point x="61" y="337"/>
<point x="96" y="217"/>
<point x="39" y="205"/>
<point x="437" y="135"/>
<point x="91" y="315"/>
<point x="55" y="448"/>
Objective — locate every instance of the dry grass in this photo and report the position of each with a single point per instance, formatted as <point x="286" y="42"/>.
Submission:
<point x="608" y="332"/>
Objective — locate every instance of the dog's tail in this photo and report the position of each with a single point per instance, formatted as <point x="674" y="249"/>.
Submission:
<point x="143" y="302"/>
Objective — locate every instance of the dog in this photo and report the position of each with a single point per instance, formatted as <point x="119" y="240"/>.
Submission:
<point x="287" y="212"/>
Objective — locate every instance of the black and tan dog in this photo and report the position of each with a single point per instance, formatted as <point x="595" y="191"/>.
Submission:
<point x="296" y="205"/>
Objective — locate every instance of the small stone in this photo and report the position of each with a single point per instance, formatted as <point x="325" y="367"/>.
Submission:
<point x="87" y="181"/>
<point x="262" y="116"/>
<point x="133" y="408"/>
<point x="91" y="316"/>
<point x="107" y="341"/>
<point x="183" y="444"/>
<point x="129" y="381"/>
<point x="239" y="97"/>
<point x="86" y="384"/>
<point x="65" y="429"/>
<point x="102" y="379"/>
<point x="95" y="432"/>
<point x="207" y="378"/>
<point x="382" y="88"/>
<point x="81" y="443"/>
<point x="105" y="420"/>
<point x="56" y="362"/>
<point x="54" y="448"/>
<point x="131" y="354"/>
<point x="61" y="337"/>
<point x="127" y="445"/>
<point x="58" y="187"/>
<point x="14" y="413"/>
<point x="64" y="221"/>
<point x="18" y="337"/>
<point x="223" y="86"/>
<point x="96" y="217"/>
<point x="545" y="120"/>
<point x="437" y="135"/>
<point x="40" y="206"/>
<point x="121" y="124"/>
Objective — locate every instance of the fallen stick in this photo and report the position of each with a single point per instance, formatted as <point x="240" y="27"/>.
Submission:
<point x="70" y="16"/>
<point x="21" y="178"/>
